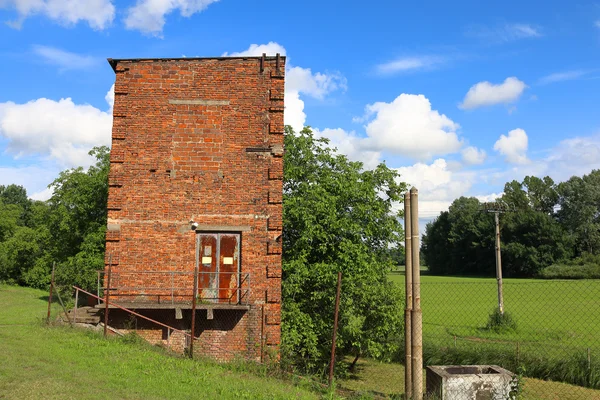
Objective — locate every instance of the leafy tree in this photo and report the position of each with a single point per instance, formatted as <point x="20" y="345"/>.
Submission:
<point x="579" y="213"/>
<point x="337" y="217"/>
<point x="77" y="219"/>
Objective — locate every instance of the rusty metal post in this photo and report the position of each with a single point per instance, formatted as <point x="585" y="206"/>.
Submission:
<point x="408" y="301"/>
<point x="194" y="311"/>
<point x="50" y="294"/>
<point x="107" y="295"/>
<point x="335" y="327"/>
<point x="499" y="265"/>
<point x="417" y="315"/>
<point x="76" y="301"/>
<point x="262" y="333"/>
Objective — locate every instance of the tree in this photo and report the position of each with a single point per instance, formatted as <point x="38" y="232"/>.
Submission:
<point x="337" y="217"/>
<point x="579" y="213"/>
<point x="77" y="220"/>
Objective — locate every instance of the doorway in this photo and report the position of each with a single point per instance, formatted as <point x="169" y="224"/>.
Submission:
<point x="218" y="267"/>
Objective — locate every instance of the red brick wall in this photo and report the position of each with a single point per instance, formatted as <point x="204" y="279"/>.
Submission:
<point x="184" y="147"/>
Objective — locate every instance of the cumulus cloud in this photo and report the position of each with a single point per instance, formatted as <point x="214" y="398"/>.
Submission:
<point x="472" y="155"/>
<point x="406" y="64"/>
<point x="110" y="97"/>
<point x="97" y="13"/>
<point x="408" y="126"/>
<point x="513" y="147"/>
<point x="148" y="16"/>
<point x="257" y="50"/>
<point x="487" y="94"/>
<point x="438" y="185"/>
<point x="350" y="145"/>
<point x="34" y="178"/>
<point x="61" y="130"/>
<point x="298" y="81"/>
<point x="65" y="60"/>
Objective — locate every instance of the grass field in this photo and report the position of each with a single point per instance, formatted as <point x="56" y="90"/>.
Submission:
<point x="558" y="322"/>
<point x="64" y="363"/>
<point x="557" y="314"/>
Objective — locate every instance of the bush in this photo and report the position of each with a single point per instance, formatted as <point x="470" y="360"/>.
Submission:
<point x="501" y="322"/>
<point x="587" y="266"/>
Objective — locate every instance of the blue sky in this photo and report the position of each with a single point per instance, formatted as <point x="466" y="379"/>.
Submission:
<point x="459" y="96"/>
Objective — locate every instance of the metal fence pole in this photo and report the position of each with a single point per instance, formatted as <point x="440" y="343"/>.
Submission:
<point x="107" y="295"/>
<point x="50" y="294"/>
<point x="408" y="301"/>
<point x="194" y="311"/>
<point x="76" y="301"/>
<point x="417" y="316"/>
<point x="335" y="327"/>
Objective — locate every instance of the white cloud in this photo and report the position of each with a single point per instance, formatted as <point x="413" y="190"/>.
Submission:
<point x="65" y="60"/>
<point x="406" y="64"/>
<point x="513" y="147"/>
<point x="505" y="33"/>
<point x="438" y="185"/>
<point x="42" y="195"/>
<point x="61" y="130"/>
<point x="350" y="145"/>
<point x="148" y="16"/>
<point x="562" y="76"/>
<point x="408" y="126"/>
<point x="489" y="198"/>
<point x="97" y="13"/>
<point x="486" y="93"/>
<point x="110" y="97"/>
<point x="257" y="50"/>
<point x="298" y="81"/>
<point x="472" y="155"/>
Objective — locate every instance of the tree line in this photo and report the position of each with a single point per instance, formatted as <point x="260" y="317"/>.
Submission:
<point x="543" y="224"/>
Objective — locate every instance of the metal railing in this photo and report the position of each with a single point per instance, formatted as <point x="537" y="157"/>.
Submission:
<point x="175" y="287"/>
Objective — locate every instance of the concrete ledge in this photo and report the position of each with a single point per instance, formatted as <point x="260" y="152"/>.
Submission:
<point x="172" y="306"/>
<point x="200" y="102"/>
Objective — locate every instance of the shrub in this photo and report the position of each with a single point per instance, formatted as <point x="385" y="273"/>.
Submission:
<point x="501" y="322"/>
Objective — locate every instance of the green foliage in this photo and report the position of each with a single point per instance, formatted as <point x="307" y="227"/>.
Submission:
<point x="337" y="217"/>
<point x="501" y="322"/>
<point x="461" y="240"/>
<point x="67" y="229"/>
<point x="587" y="266"/>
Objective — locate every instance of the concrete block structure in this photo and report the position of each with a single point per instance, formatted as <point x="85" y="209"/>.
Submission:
<point x="195" y="182"/>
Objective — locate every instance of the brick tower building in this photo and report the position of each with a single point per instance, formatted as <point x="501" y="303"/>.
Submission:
<point x="195" y="184"/>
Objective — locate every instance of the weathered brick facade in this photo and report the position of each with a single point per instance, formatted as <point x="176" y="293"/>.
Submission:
<point x="199" y="139"/>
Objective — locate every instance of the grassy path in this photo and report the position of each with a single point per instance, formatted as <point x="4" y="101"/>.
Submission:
<point x="64" y="363"/>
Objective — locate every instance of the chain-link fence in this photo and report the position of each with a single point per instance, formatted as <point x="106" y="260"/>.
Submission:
<point x="546" y="342"/>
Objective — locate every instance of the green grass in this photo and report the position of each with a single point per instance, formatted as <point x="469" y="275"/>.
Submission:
<point x="65" y="363"/>
<point x="557" y="322"/>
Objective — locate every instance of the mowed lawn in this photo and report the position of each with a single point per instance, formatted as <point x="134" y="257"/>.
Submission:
<point x="64" y="363"/>
<point x="551" y="315"/>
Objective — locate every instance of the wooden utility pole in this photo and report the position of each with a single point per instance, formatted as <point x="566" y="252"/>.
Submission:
<point x="497" y="209"/>
<point x="408" y="303"/>
<point x="417" y="315"/>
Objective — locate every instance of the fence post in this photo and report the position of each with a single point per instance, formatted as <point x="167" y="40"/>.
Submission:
<point x="50" y="294"/>
<point x="408" y="300"/>
<point x="194" y="312"/>
<point x="417" y="316"/>
<point x="76" y="301"/>
<point x="107" y="295"/>
<point x="335" y="326"/>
